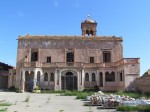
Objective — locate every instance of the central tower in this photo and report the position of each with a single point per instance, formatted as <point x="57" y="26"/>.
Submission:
<point x="88" y="27"/>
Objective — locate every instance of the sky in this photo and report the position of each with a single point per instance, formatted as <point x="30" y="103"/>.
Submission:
<point x="129" y="19"/>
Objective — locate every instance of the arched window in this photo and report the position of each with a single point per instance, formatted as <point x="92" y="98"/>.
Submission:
<point x="86" y="77"/>
<point x="110" y="77"/>
<point x="52" y="77"/>
<point x="93" y="77"/>
<point x="46" y="76"/>
<point x="38" y="76"/>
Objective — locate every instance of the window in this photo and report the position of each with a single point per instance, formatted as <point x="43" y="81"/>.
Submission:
<point x="46" y="77"/>
<point x="93" y="77"/>
<point x="34" y="56"/>
<point x="70" y="57"/>
<point x="48" y="59"/>
<point x="52" y="77"/>
<point x="121" y="78"/>
<point x="106" y="56"/>
<point x="86" y="77"/>
<point x="38" y="76"/>
<point x="91" y="59"/>
<point x="110" y="77"/>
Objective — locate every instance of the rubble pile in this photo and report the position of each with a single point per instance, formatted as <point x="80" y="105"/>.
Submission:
<point x="113" y="101"/>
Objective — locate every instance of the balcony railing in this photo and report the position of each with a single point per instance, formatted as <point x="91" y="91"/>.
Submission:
<point x="80" y="64"/>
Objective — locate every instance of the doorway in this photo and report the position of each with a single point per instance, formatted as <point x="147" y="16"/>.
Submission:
<point x="69" y="81"/>
<point x="29" y="81"/>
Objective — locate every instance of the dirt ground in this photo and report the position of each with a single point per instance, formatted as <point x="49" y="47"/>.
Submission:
<point x="46" y="103"/>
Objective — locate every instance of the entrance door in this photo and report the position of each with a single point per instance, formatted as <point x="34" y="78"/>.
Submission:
<point x="29" y="81"/>
<point x="69" y="81"/>
<point x="101" y="79"/>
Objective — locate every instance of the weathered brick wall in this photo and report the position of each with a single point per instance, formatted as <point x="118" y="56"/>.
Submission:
<point x="56" y="49"/>
<point x="143" y="84"/>
<point x="131" y="71"/>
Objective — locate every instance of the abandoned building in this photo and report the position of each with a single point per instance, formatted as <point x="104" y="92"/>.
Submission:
<point x="4" y="73"/>
<point x="74" y="62"/>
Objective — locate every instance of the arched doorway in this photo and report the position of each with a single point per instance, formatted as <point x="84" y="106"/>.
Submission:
<point x="29" y="78"/>
<point x="69" y="81"/>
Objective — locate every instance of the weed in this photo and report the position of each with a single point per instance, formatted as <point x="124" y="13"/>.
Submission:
<point x="27" y="99"/>
<point x="61" y="110"/>
<point x="5" y="104"/>
<point x="48" y="100"/>
<point x="16" y="102"/>
<point x="134" y="108"/>
<point x="3" y="110"/>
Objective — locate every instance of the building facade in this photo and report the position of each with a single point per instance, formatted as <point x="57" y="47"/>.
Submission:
<point x="75" y="62"/>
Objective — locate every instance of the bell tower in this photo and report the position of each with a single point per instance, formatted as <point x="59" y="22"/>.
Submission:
<point x="88" y="27"/>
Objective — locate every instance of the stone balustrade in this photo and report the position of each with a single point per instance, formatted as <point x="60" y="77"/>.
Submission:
<point x="80" y="64"/>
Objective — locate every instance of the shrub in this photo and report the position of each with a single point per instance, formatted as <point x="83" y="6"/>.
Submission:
<point x="12" y="89"/>
<point x="134" y="108"/>
<point x="3" y="110"/>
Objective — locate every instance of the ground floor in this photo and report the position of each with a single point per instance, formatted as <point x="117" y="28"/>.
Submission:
<point x="70" y="79"/>
<point x="46" y="103"/>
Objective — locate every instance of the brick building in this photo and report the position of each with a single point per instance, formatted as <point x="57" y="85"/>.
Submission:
<point x="4" y="73"/>
<point x="75" y="62"/>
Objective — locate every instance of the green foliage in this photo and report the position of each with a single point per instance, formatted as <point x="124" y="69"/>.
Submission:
<point x="3" y="110"/>
<point x="12" y="89"/>
<point x="5" y="104"/>
<point x="52" y="91"/>
<point x="18" y="90"/>
<point x="134" y="108"/>
<point x="37" y="88"/>
<point x="79" y="94"/>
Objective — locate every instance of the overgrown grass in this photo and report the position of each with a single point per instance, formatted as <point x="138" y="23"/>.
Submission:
<point x="79" y="94"/>
<point x="134" y="108"/>
<point x="3" y="110"/>
<point x="52" y="91"/>
<point x="5" y="104"/>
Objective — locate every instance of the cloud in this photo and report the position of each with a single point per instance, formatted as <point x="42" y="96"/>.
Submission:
<point x="56" y="4"/>
<point x="20" y="13"/>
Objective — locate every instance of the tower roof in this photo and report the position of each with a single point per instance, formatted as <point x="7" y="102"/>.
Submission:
<point x="89" y="20"/>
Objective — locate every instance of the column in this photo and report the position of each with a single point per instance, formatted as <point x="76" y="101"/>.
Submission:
<point x="23" y="80"/>
<point x="83" y="79"/>
<point x="55" y="76"/>
<point x="35" y="78"/>
<point x="103" y="79"/>
<point x="97" y="78"/>
<point x="78" y="76"/>
<point x="59" y="75"/>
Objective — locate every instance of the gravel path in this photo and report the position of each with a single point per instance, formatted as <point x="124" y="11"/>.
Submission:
<point x="45" y="103"/>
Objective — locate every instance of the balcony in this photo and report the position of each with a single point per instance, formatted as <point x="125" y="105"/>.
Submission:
<point x="80" y="64"/>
